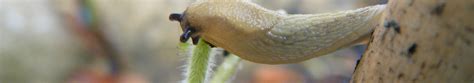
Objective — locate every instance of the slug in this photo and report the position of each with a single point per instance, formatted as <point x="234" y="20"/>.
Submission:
<point x="264" y="36"/>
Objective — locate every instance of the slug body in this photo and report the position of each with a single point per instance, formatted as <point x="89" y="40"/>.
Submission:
<point x="265" y="36"/>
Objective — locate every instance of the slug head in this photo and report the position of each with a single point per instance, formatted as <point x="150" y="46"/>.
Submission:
<point x="238" y="27"/>
<point x="188" y="31"/>
<point x="206" y="20"/>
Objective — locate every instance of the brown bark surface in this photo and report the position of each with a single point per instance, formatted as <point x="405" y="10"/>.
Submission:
<point x="428" y="41"/>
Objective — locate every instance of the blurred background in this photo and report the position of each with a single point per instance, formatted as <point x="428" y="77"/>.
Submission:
<point x="132" y="41"/>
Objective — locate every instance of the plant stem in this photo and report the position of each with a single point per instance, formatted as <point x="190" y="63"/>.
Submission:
<point x="226" y="70"/>
<point x="198" y="63"/>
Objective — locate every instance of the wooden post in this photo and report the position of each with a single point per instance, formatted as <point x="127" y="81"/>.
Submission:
<point x="427" y="41"/>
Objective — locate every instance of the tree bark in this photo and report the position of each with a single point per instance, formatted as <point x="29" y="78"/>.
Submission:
<point x="428" y="41"/>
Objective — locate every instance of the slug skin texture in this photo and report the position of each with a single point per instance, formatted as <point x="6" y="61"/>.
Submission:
<point x="265" y="36"/>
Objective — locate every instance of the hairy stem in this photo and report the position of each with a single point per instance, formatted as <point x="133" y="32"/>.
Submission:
<point x="198" y="63"/>
<point x="226" y="70"/>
